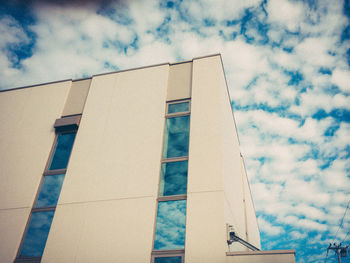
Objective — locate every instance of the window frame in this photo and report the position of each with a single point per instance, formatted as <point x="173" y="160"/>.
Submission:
<point x="47" y="170"/>
<point x="173" y="115"/>
<point x="172" y="160"/>
<point x="168" y="253"/>
<point x="171" y="252"/>
<point x="178" y="114"/>
<point x="171" y="198"/>
<point x="64" y="127"/>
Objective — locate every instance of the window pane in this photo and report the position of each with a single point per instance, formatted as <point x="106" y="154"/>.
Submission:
<point x="176" y="137"/>
<point x="178" y="107"/>
<point x="170" y="226"/>
<point x="50" y="190"/>
<point x="62" y="151"/>
<point x="173" y="179"/>
<point x="38" y="230"/>
<point x="168" y="260"/>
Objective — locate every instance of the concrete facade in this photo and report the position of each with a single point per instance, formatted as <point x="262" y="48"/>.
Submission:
<point x="107" y="207"/>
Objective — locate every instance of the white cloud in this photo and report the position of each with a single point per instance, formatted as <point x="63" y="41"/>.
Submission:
<point x="314" y="100"/>
<point x="269" y="228"/>
<point x="298" y="235"/>
<point x="324" y="19"/>
<point x="217" y="9"/>
<point x="316" y="51"/>
<point x="338" y="144"/>
<point x="302" y="191"/>
<point x="286" y="13"/>
<point x="267" y="122"/>
<point x="336" y="175"/>
<point x="342" y="79"/>
<point x="11" y="32"/>
<point x="311" y="225"/>
<point x="243" y="62"/>
<point x="145" y="15"/>
<point x="305" y="224"/>
<point x="289" y="61"/>
<point x="309" y="211"/>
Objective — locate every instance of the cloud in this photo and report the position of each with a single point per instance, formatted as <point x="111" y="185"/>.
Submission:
<point x="268" y="228"/>
<point x="11" y="32"/>
<point x="316" y="51"/>
<point x="244" y="62"/>
<point x="342" y="79"/>
<point x="286" y="13"/>
<point x="217" y="10"/>
<point x="12" y="38"/>
<point x="309" y="211"/>
<point x="70" y="3"/>
<point x="298" y="235"/>
<point x="298" y="191"/>
<point x="336" y="175"/>
<point x="311" y="225"/>
<point x="305" y="224"/>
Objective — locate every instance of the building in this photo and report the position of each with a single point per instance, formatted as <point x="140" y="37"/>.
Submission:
<point x="155" y="172"/>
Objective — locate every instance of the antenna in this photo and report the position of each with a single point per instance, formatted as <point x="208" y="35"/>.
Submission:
<point x="232" y="237"/>
<point x="340" y="250"/>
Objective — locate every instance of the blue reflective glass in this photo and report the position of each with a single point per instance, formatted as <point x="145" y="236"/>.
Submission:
<point x="173" y="179"/>
<point x="178" y="107"/>
<point x="176" y="137"/>
<point x="50" y="190"/>
<point x="63" y="148"/>
<point x="35" y="239"/>
<point x="170" y="226"/>
<point x="168" y="260"/>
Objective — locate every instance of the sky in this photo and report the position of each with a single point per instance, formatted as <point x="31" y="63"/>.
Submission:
<point x="287" y="69"/>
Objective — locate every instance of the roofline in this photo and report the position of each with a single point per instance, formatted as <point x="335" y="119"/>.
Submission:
<point x="130" y="69"/>
<point x="207" y="56"/>
<point x="75" y="80"/>
<point x="107" y="73"/>
<point x="35" y="85"/>
<point x="181" y="62"/>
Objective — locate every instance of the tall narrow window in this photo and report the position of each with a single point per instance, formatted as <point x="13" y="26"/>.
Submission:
<point x="169" y="237"/>
<point x="38" y="227"/>
<point x="173" y="178"/>
<point x="176" y="137"/>
<point x="170" y="226"/>
<point x="62" y="151"/>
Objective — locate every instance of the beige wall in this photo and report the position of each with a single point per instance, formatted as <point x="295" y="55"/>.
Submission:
<point x="215" y="174"/>
<point x="106" y="231"/>
<point x="77" y="96"/>
<point x="205" y="210"/>
<point x="214" y="166"/>
<point x="12" y="224"/>
<point x="252" y="228"/>
<point x="180" y="78"/>
<point x="112" y="178"/>
<point x="205" y="236"/>
<point x="26" y="137"/>
<point x="232" y="175"/>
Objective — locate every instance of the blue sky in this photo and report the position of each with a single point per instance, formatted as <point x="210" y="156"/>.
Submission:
<point x="287" y="67"/>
